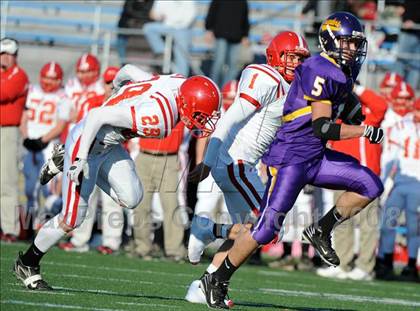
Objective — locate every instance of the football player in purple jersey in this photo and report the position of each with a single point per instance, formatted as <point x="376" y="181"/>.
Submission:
<point x="298" y="154"/>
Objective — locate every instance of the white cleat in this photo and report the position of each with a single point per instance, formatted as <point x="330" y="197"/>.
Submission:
<point x="332" y="272"/>
<point x="195" y="294"/>
<point x="201" y="236"/>
<point x="358" y="274"/>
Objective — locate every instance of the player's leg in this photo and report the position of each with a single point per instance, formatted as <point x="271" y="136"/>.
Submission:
<point x="118" y="178"/>
<point x="208" y="195"/>
<point x="389" y="220"/>
<point x="413" y="230"/>
<point x="79" y="241"/>
<point x="341" y="172"/>
<point x="75" y="198"/>
<point x="283" y="189"/>
<point x="31" y="180"/>
<point x="112" y="224"/>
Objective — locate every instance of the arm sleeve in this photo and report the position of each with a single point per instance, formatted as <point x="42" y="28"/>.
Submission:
<point x="377" y="106"/>
<point x="239" y="111"/>
<point x="118" y="116"/>
<point x="13" y="87"/>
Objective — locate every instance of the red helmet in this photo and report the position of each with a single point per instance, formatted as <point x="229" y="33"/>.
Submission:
<point x="199" y="103"/>
<point x="51" y="76"/>
<point x="284" y="43"/>
<point x="87" y="69"/>
<point x="391" y="79"/>
<point x="229" y="91"/>
<point x="402" y="97"/>
<point x="110" y="73"/>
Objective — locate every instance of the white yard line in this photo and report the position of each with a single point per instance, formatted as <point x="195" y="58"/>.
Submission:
<point x="55" y="305"/>
<point x="342" y="297"/>
<point x="27" y="291"/>
<point x="155" y="305"/>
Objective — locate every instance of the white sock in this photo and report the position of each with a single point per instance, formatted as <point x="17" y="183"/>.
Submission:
<point x="211" y="268"/>
<point x="49" y="234"/>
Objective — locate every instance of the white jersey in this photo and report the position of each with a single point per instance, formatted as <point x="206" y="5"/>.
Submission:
<point x="265" y="88"/>
<point x="146" y="109"/>
<point x="79" y="93"/>
<point x="389" y="150"/>
<point x="405" y="138"/>
<point x="44" y="109"/>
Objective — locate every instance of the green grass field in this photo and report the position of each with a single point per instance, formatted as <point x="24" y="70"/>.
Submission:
<point x="94" y="282"/>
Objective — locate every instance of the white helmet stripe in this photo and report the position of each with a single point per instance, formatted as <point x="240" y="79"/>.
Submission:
<point x="392" y="78"/>
<point x="51" y="70"/>
<point x="300" y="41"/>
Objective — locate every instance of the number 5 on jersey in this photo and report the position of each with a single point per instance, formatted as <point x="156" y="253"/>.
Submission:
<point x="317" y="90"/>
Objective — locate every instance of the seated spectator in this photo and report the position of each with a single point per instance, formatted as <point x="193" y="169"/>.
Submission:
<point x="172" y="18"/>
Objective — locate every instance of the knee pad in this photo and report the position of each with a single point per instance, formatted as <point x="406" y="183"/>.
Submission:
<point x="131" y="200"/>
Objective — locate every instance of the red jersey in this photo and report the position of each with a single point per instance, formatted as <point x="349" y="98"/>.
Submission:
<point x="13" y="91"/>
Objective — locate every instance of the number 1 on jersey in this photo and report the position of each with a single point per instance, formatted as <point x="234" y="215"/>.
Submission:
<point x="251" y="84"/>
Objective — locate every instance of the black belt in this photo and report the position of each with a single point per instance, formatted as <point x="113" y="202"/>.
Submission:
<point x="158" y="154"/>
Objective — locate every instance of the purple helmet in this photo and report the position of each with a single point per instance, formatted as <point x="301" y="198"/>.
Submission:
<point x="342" y="38"/>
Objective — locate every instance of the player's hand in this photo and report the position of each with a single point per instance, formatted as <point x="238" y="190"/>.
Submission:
<point x="34" y="144"/>
<point x="79" y="166"/>
<point x="200" y="172"/>
<point x="374" y="134"/>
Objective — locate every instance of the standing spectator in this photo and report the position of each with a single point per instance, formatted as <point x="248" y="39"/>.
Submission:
<point x="374" y="107"/>
<point x="13" y="92"/>
<point x="227" y="22"/>
<point x="135" y="14"/>
<point x="403" y="171"/>
<point x="409" y="42"/>
<point x="112" y="213"/>
<point x="172" y="18"/>
<point x="157" y="166"/>
<point x="46" y="116"/>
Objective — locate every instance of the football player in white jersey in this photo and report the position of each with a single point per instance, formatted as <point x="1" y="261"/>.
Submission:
<point x="45" y="117"/>
<point x="403" y="166"/>
<point x="85" y="84"/>
<point x="241" y="138"/>
<point x="94" y="154"/>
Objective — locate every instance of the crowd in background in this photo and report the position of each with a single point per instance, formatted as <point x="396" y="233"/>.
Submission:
<point x="37" y="114"/>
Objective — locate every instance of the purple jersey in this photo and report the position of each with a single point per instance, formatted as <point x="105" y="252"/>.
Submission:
<point x="320" y="79"/>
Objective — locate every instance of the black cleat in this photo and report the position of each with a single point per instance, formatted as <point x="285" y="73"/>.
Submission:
<point x="410" y="274"/>
<point x="216" y="292"/>
<point x="53" y="166"/>
<point x="322" y="244"/>
<point x="30" y="276"/>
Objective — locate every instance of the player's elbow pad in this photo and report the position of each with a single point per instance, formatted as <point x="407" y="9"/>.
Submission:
<point x="325" y="129"/>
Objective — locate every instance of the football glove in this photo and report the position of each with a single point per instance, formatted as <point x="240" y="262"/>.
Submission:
<point x="78" y="167"/>
<point x="374" y="134"/>
<point x="34" y="144"/>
